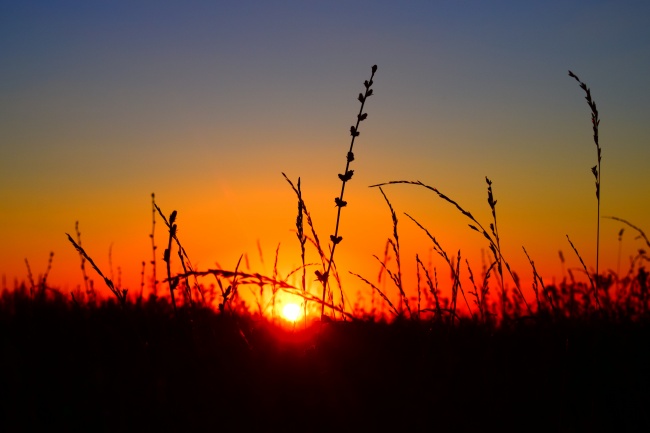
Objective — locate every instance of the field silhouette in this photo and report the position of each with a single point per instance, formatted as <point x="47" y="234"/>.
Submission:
<point x="182" y="355"/>
<point x="142" y="367"/>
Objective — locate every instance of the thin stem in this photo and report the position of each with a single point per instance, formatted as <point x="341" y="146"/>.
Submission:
<point x="154" y="281"/>
<point x="345" y="177"/>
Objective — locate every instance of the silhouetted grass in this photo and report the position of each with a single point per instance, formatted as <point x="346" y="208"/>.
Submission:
<point x="208" y="361"/>
<point x="596" y="171"/>
<point x="115" y="367"/>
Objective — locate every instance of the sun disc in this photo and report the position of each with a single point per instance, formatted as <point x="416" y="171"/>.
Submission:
<point x="291" y="312"/>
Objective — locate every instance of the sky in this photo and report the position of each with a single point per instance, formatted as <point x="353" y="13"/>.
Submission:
<point x="207" y="103"/>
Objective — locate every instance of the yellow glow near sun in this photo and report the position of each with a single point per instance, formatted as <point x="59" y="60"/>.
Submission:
<point x="291" y="312"/>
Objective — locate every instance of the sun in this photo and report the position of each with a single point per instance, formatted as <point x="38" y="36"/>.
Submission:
<point x="291" y="312"/>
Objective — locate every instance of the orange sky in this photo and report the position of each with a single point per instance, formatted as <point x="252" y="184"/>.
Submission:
<point x="207" y="106"/>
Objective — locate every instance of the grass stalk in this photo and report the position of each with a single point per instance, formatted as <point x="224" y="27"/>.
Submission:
<point x="481" y="294"/>
<point x="167" y="256"/>
<point x="30" y="277"/>
<point x="395" y="311"/>
<point x="83" y="261"/>
<point x="432" y="288"/>
<point x="456" y="283"/>
<point x="120" y="294"/>
<point x="183" y="257"/>
<point x="397" y="276"/>
<point x="274" y="287"/>
<point x="545" y="291"/>
<point x="591" y="280"/>
<point x="154" y="278"/>
<point x="496" y="251"/>
<point x="142" y="276"/>
<point x="596" y="171"/>
<point x="637" y="229"/>
<point x="302" y="237"/>
<point x="454" y="291"/>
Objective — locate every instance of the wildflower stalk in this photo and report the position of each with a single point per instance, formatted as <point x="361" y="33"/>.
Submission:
<point x="345" y="177"/>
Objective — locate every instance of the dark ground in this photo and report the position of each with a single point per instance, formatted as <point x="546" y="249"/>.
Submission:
<point x="139" y="369"/>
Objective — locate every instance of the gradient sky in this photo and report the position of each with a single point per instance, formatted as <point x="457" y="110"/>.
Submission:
<point x="206" y="103"/>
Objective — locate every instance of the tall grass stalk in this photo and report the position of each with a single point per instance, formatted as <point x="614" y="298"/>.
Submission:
<point x="142" y="277"/>
<point x="120" y="294"/>
<point x="432" y="288"/>
<point x="30" y="277"/>
<point x="154" y="278"/>
<point x="83" y="259"/>
<point x="419" y="286"/>
<point x="596" y="171"/>
<point x="395" y="311"/>
<point x="396" y="276"/>
<point x="538" y="278"/>
<point x="638" y="230"/>
<point x="345" y="178"/>
<point x="620" y="251"/>
<point x="620" y="235"/>
<point x="584" y="267"/>
<point x="495" y="232"/>
<point x="454" y="290"/>
<point x="303" y="238"/>
<point x="481" y="294"/>
<point x="455" y="270"/>
<point x="167" y="256"/>
<point x="42" y="279"/>
<point x="274" y="286"/>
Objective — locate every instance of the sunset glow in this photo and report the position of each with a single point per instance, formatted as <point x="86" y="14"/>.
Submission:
<point x="291" y="312"/>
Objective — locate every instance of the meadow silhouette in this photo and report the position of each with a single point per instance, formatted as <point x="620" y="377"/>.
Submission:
<point x="187" y="351"/>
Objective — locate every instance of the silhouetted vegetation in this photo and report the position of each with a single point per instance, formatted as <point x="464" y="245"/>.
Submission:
<point x="472" y="357"/>
<point x="141" y="366"/>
